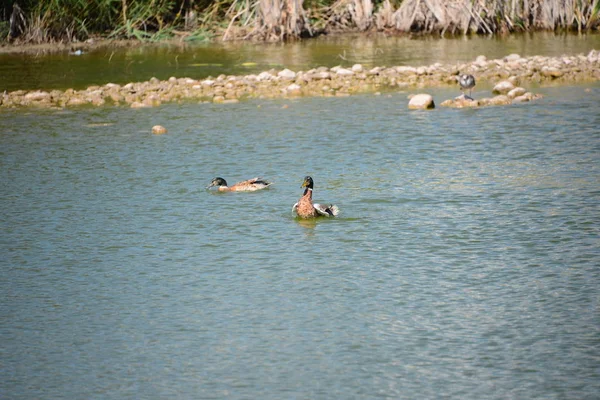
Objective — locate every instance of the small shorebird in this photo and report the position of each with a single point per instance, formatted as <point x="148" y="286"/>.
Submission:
<point x="305" y="208"/>
<point x="466" y="81"/>
<point x="250" y="185"/>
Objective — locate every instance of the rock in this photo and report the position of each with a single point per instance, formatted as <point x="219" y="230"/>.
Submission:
<point x="344" y="72"/>
<point x="500" y="100"/>
<point x="521" y="99"/>
<point x="516" y="92"/>
<point x="152" y="101"/>
<point x="264" y="76"/>
<point x="159" y="130"/>
<point x="76" y="101"/>
<point x="37" y="96"/>
<point x="551" y="72"/>
<point x="512" y="57"/>
<point x="294" y="89"/>
<point x="286" y="74"/>
<point x="139" y="104"/>
<point x="357" y="68"/>
<point x="503" y="87"/>
<point x="421" y="102"/>
<point x="321" y="75"/>
<point x="460" y="102"/>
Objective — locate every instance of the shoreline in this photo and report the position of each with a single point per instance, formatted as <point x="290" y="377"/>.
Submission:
<point x="317" y="82"/>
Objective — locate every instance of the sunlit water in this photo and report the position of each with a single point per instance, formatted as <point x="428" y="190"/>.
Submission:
<point x="464" y="264"/>
<point x="140" y="63"/>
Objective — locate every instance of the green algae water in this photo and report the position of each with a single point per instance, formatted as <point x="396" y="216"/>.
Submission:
<point x="134" y="64"/>
<point x="464" y="263"/>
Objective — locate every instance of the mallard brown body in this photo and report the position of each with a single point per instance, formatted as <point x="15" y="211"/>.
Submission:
<point x="249" y="185"/>
<point x="305" y="208"/>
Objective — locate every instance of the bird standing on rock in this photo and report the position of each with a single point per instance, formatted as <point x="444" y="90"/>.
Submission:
<point x="466" y="81"/>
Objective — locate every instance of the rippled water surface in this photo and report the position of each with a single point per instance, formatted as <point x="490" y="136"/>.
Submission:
<point x="464" y="264"/>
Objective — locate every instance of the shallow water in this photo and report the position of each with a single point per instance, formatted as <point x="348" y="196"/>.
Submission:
<point x="140" y="63"/>
<point x="464" y="263"/>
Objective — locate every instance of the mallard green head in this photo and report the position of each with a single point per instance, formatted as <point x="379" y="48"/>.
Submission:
<point x="217" y="182"/>
<point x="308" y="182"/>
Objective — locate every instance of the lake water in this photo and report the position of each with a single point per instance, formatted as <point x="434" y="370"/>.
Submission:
<point x="464" y="264"/>
<point x="61" y="70"/>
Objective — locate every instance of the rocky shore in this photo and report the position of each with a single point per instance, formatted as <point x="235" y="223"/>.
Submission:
<point x="337" y="81"/>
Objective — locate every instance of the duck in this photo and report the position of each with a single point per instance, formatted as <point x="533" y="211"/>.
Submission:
<point x="305" y="208"/>
<point x="466" y="81"/>
<point x="249" y="185"/>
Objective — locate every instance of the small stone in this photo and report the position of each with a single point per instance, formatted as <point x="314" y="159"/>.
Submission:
<point x="294" y="88"/>
<point x="552" y="72"/>
<point x="503" y="87"/>
<point x="159" y="130"/>
<point x="139" y="104"/>
<point x="512" y="57"/>
<point x="264" y="76"/>
<point x="516" y="92"/>
<point x="287" y="74"/>
<point x="500" y="100"/>
<point x="357" y="68"/>
<point x="421" y="102"/>
<point x="344" y="72"/>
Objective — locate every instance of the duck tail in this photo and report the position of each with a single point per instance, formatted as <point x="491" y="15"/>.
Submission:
<point x="333" y="210"/>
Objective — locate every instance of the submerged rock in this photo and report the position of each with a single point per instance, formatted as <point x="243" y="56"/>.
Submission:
<point x="159" y="130"/>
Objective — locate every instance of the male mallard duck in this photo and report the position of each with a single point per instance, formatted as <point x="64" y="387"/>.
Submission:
<point x="245" y="186"/>
<point x="466" y="81"/>
<point x="305" y="208"/>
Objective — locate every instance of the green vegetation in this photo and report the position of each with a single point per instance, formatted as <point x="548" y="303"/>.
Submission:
<point x="37" y="21"/>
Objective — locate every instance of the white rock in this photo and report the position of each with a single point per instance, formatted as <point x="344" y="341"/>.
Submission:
<point x="344" y="72"/>
<point x="404" y="69"/>
<point x="294" y="87"/>
<point x="421" y="101"/>
<point x="321" y="75"/>
<point x="503" y="87"/>
<point x="264" y="76"/>
<point x="516" y="92"/>
<point x="357" y="68"/>
<point x="37" y="95"/>
<point x="512" y="57"/>
<point x="286" y="74"/>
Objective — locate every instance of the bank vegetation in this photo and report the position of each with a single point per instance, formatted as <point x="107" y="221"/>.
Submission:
<point x="69" y="21"/>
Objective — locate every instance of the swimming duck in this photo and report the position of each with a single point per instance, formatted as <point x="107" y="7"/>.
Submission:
<point x="250" y="185"/>
<point x="305" y="208"/>
<point x="466" y="81"/>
